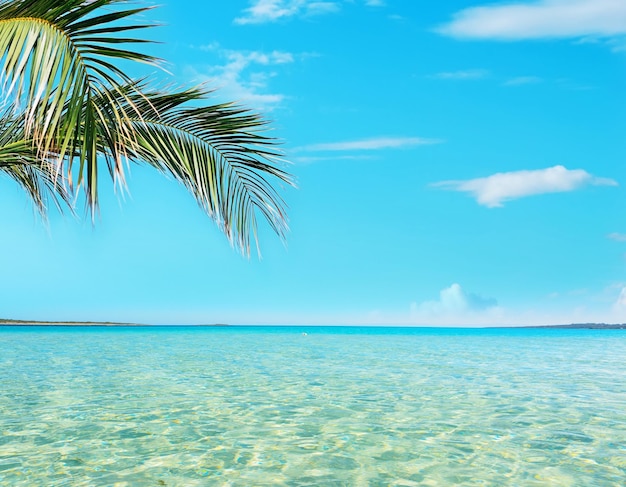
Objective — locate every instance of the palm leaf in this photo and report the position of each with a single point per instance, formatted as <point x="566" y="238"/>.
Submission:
<point x="57" y="61"/>
<point x="59" y="64"/>
<point x="218" y="151"/>
<point x="22" y="162"/>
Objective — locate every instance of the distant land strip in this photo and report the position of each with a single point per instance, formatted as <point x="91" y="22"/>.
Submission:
<point x="582" y="326"/>
<point x="65" y="323"/>
<point x="8" y="322"/>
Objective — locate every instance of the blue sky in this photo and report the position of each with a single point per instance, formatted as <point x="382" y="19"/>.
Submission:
<point x="458" y="162"/>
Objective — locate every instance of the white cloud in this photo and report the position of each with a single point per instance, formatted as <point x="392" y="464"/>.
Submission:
<point x="455" y="306"/>
<point x="462" y="75"/>
<point x="265" y="11"/>
<point x="493" y="190"/>
<point x="245" y="76"/>
<point x="523" y="80"/>
<point x="375" y="143"/>
<point x="212" y="46"/>
<point x="454" y="299"/>
<point x="318" y="8"/>
<point x="539" y="19"/>
<point x="619" y="237"/>
<point x="262" y="11"/>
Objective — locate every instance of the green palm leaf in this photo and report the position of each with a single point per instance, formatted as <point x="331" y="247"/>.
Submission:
<point x="79" y="108"/>
<point x="57" y="60"/>
<point x="217" y="151"/>
<point x="37" y="175"/>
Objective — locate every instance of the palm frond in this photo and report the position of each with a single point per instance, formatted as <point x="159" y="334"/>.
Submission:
<point x="57" y="59"/>
<point x="218" y="151"/>
<point x="59" y="62"/>
<point x="22" y="162"/>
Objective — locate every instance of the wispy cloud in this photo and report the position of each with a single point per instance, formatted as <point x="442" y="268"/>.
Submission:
<point x="376" y="143"/>
<point x="616" y="44"/>
<point x="305" y="160"/>
<point x="468" y="74"/>
<point x="262" y="11"/>
<point x="522" y="80"/>
<point x="494" y="190"/>
<point x="539" y="19"/>
<point x="503" y="80"/>
<point x="267" y="11"/>
<point x="245" y="76"/>
<point x="619" y="237"/>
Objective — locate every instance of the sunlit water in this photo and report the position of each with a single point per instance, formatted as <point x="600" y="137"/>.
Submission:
<point x="332" y="407"/>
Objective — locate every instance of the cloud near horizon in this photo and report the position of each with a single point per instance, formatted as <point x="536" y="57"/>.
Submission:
<point x="538" y="20"/>
<point x="455" y="302"/>
<point x="494" y="190"/>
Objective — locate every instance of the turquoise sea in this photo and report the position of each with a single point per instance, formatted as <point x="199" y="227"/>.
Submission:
<point x="327" y="406"/>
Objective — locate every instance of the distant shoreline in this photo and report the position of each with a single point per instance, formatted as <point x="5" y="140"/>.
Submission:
<point x="65" y="323"/>
<point x="584" y="326"/>
<point x="88" y="323"/>
<point x="112" y="324"/>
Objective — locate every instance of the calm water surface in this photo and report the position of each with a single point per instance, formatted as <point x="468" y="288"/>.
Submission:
<point x="332" y="407"/>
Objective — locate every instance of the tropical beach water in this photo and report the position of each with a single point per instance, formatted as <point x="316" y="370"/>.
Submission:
<point x="243" y="406"/>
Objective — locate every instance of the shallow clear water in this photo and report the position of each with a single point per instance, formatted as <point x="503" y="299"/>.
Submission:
<point x="335" y="407"/>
